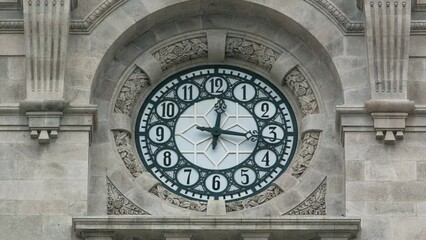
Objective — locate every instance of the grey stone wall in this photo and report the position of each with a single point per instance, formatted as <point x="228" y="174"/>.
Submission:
<point x="341" y="170"/>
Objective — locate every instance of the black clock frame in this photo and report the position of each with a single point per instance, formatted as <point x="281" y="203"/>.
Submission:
<point x="227" y="194"/>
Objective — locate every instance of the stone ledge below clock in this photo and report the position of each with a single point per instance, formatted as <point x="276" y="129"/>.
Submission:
<point x="356" y="118"/>
<point x="74" y="118"/>
<point x="209" y="228"/>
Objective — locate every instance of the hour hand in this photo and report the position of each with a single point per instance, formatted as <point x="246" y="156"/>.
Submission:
<point x="220" y="106"/>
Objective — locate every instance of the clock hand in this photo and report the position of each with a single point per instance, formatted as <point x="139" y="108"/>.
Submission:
<point x="250" y="135"/>
<point x="219" y="107"/>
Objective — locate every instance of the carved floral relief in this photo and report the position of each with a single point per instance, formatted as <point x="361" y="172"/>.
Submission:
<point x="118" y="204"/>
<point x="303" y="92"/>
<point x="130" y="90"/>
<point x="176" y="200"/>
<point x="247" y="50"/>
<point x="265" y="196"/>
<point x="182" y="51"/>
<point x="305" y="154"/>
<point x="122" y="142"/>
<point x="314" y="204"/>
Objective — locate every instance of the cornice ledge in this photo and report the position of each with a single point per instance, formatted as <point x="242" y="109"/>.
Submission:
<point x="347" y="26"/>
<point x="139" y="225"/>
<point x="87" y="25"/>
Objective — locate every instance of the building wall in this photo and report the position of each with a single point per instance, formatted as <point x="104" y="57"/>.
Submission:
<point x="84" y="173"/>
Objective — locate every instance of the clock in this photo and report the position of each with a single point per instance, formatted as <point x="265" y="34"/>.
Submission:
<point x="216" y="132"/>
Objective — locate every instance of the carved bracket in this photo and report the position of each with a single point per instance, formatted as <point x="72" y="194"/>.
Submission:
<point x="44" y="125"/>
<point x="389" y="118"/>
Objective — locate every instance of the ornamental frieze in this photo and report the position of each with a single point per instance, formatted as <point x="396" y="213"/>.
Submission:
<point x="118" y="204"/>
<point x="270" y="193"/>
<point x="130" y="90"/>
<point x="305" y="154"/>
<point x="125" y="150"/>
<point x="303" y="92"/>
<point x="181" y="51"/>
<point x="251" y="51"/>
<point x="176" y="200"/>
<point x="314" y="204"/>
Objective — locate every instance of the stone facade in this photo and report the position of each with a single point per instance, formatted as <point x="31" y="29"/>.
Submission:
<point x="74" y="73"/>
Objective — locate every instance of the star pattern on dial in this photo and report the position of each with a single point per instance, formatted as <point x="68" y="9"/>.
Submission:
<point x="197" y="147"/>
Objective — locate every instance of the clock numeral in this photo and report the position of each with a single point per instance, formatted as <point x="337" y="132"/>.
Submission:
<point x="273" y="133"/>
<point x="265" y="110"/>
<point x="160" y="134"/>
<point x="265" y="158"/>
<point x="244" y="92"/>
<point x="188" y="92"/>
<point x="244" y="176"/>
<point x="216" y="85"/>
<point x="216" y="183"/>
<point x="188" y="176"/>
<point x="167" y="109"/>
<point x="167" y="158"/>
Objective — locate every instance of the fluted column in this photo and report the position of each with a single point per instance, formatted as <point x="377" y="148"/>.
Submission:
<point x="388" y="36"/>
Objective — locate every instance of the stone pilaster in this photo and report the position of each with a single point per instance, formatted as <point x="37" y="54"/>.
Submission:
<point x="388" y="36"/>
<point x="46" y="24"/>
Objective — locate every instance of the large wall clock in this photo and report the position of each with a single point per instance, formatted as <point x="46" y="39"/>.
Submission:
<point x="216" y="132"/>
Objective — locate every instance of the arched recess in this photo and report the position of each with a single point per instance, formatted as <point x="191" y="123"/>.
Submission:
<point x="298" y="47"/>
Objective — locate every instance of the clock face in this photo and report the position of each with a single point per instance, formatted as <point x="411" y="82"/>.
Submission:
<point x="216" y="132"/>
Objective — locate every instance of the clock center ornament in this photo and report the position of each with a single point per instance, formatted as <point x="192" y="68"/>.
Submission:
<point x="216" y="132"/>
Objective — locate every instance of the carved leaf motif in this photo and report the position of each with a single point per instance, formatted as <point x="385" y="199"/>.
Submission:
<point x="306" y="152"/>
<point x="300" y="87"/>
<point x="254" y="201"/>
<point x="122" y="142"/>
<point x="176" y="200"/>
<point x="118" y="204"/>
<point x="250" y="51"/>
<point x="314" y="204"/>
<point x="132" y="87"/>
<point x="182" y="51"/>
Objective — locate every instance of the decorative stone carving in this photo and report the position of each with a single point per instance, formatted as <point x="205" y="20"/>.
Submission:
<point x="338" y="16"/>
<point x="418" y="27"/>
<point x="96" y="16"/>
<point x="303" y="92"/>
<point x="11" y="26"/>
<point x="248" y="50"/>
<point x="130" y="90"/>
<point x="314" y="204"/>
<point x="46" y="26"/>
<point x="255" y="201"/>
<point x="388" y="38"/>
<point x="46" y="48"/>
<point x="304" y="157"/>
<point x="182" y="51"/>
<point x="124" y="148"/>
<point x="176" y="200"/>
<point x="388" y="46"/>
<point x="118" y="204"/>
<point x="44" y="125"/>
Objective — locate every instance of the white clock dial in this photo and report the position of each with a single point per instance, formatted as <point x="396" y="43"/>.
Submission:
<point x="197" y="146"/>
<point x="216" y="132"/>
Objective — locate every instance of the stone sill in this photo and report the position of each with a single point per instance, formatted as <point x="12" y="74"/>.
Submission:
<point x="212" y="227"/>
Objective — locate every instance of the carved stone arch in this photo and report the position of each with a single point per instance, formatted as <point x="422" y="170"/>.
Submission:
<point x="132" y="61"/>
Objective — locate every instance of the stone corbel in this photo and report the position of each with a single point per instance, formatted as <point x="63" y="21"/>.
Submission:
<point x="44" y="125"/>
<point x="44" y="118"/>
<point x="389" y="118"/>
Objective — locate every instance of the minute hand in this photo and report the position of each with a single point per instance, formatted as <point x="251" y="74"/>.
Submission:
<point x="221" y="131"/>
